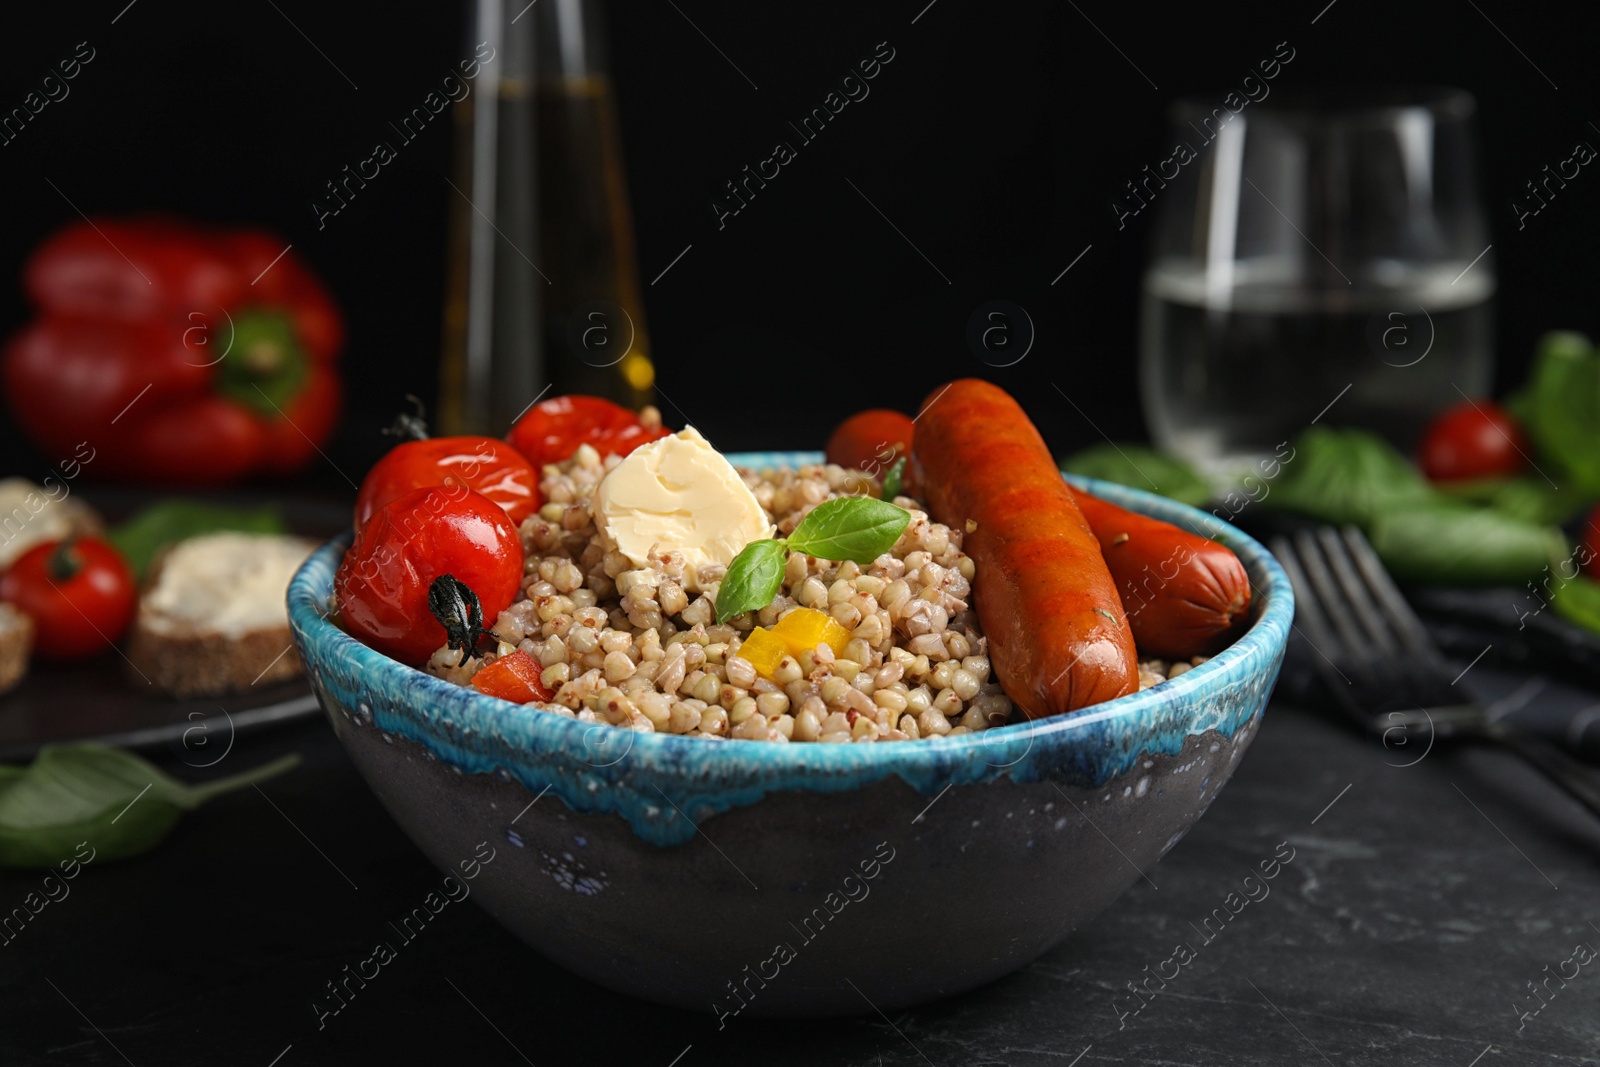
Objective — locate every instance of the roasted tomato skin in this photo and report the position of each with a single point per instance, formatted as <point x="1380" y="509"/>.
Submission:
<point x="382" y="584"/>
<point x="482" y="464"/>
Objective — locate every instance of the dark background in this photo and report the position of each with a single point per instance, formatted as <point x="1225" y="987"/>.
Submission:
<point x="995" y="141"/>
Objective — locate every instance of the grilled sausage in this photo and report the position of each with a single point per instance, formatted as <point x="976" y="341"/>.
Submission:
<point x="1184" y="595"/>
<point x="1058" y="638"/>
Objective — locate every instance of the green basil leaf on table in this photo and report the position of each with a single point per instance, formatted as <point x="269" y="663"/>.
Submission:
<point x="1528" y="497"/>
<point x="1578" y="601"/>
<point x="152" y="528"/>
<point x="118" y="802"/>
<point x="1142" y="467"/>
<point x="894" y="480"/>
<point x="1449" y="544"/>
<point x="1341" y="476"/>
<point x="859" y="528"/>
<point x="1562" y="408"/>
<point x="752" y="580"/>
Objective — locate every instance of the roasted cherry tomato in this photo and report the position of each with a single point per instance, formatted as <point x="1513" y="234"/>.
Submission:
<point x="382" y="585"/>
<point x="482" y="464"/>
<point x="79" y="593"/>
<point x="553" y="429"/>
<point x="1473" y="439"/>
<point x="514" y="677"/>
<point x="872" y="441"/>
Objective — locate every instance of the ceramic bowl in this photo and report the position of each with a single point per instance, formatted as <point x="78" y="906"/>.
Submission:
<point x="795" y="879"/>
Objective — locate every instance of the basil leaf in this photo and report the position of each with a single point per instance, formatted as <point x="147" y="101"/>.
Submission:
<point x="151" y="529"/>
<point x="117" y="802"/>
<point x="1528" y="497"/>
<point x="753" y="579"/>
<point x="893" y="480"/>
<point x="1454" y="545"/>
<point x="1578" y="601"/>
<point x="1141" y="467"/>
<point x="859" y="528"/>
<point x="1342" y="476"/>
<point x="1562" y="408"/>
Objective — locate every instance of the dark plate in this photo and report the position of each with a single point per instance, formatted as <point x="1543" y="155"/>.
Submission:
<point x="95" y="701"/>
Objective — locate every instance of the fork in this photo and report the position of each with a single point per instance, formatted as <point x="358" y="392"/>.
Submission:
<point x="1380" y="665"/>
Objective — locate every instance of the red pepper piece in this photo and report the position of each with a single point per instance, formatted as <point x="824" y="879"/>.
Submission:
<point x="515" y="678"/>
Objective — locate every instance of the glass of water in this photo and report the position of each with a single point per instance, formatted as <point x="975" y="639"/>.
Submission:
<point x="1321" y="258"/>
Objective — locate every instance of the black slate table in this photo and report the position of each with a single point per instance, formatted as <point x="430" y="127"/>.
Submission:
<point x="1419" y="904"/>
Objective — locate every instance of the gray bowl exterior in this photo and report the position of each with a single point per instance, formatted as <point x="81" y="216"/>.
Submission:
<point x="788" y="880"/>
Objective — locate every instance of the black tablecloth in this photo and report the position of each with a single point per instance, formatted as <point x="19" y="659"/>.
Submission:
<point x="1419" y="905"/>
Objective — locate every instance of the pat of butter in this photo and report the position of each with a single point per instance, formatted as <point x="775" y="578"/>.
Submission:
<point x="232" y="583"/>
<point x="678" y="494"/>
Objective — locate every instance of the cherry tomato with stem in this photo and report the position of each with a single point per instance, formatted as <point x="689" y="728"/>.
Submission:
<point x="383" y="583"/>
<point x="488" y="467"/>
<point x="1473" y="439"/>
<point x="79" y="593"/>
<point x="553" y="429"/>
<point x="482" y="464"/>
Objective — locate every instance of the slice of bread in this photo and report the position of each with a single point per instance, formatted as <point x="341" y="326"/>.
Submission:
<point x="212" y="618"/>
<point x="16" y="642"/>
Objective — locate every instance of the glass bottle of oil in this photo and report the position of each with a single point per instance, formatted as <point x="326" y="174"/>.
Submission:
<point x="543" y="293"/>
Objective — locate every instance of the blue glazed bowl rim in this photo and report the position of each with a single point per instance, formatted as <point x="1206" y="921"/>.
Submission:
<point x="438" y="713"/>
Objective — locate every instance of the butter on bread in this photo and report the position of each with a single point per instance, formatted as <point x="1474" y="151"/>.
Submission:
<point x="212" y="618"/>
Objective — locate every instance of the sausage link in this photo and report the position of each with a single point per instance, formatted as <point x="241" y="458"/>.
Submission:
<point x="1057" y="635"/>
<point x="1184" y="595"/>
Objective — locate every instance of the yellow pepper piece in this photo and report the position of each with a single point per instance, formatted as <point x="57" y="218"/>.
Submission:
<point x="764" y="650"/>
<point x="803" y="629"/>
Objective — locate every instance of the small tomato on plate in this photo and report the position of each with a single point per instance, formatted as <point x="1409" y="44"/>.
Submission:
<point x="79" y="593"/>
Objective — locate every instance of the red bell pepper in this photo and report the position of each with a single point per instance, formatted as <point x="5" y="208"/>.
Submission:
<point x="514" y="677"/>
<point x="182" y="355"/>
